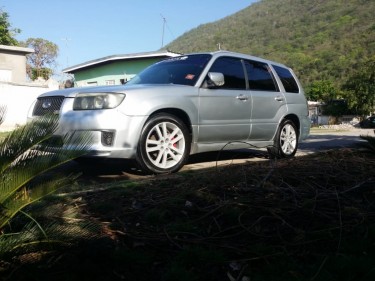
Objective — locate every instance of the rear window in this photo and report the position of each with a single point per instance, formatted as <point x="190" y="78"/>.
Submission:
<point x="286" y="77"/>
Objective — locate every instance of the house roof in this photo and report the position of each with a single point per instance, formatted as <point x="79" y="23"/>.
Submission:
<point x="107" y="59"/>
<point x="15" y="49"/>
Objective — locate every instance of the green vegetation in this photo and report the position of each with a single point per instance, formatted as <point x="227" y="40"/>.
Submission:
<point x="7" y="33"/>
<point x="40" y="63"/>
<point x="3" y="135"/>
<point x="323" y="41"/>
<point x="24" y="177"/>
<point x="307" y="218"/>
<point x="360" y="88"/>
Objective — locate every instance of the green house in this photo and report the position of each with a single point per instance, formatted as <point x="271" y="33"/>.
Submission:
<point x="114" y="70"/>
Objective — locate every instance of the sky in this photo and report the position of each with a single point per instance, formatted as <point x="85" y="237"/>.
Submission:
<point x="90" y="29"/>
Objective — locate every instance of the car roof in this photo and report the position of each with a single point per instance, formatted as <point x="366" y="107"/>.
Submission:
<point x="222" y="53"/>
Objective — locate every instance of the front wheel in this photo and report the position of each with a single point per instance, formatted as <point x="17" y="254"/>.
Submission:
<point x="286" y="141"/>
<point x="164" y="145"/>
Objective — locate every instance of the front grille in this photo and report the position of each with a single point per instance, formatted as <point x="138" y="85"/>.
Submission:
<point x="47" y="105"/>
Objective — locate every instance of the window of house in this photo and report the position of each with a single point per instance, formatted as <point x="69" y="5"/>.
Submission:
<point x="286" y="77"/>
<point x="232" y="69"/>
<point x="110" y="82"/>
<point x="260" y="76"/>
<point x="92" y="83"/>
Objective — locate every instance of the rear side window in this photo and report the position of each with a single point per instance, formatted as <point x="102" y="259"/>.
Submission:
<point x="286" y="77"/>
<point x="232" y="70"/>
<point x="260" y="76"/>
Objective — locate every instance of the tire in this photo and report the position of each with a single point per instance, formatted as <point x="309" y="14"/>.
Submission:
<point x="164" y="145"/>
<point x="286" y="141"/>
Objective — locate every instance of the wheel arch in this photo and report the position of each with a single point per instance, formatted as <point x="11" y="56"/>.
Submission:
<point x="181" y="114"/>
<point x="294" y="118"/>
<point x="151" y="162"/>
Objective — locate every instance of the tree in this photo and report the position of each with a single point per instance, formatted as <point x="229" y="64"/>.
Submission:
<point x="6" y="32"/>
<point x="43" y="59"/>
<point x="323" y="91"/>
<point x="360" y="88"/>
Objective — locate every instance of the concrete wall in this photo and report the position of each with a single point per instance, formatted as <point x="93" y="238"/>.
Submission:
<point x="18" y="99"/>
<point x="13" y="63"/>
<point x="12" y="68"/>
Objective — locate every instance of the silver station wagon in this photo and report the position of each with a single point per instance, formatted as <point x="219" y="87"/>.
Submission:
<point x="185" y="105"/>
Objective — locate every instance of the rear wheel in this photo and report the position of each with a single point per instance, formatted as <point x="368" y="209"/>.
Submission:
<point x="164" y="145"/>
<point x="286" y="141"/>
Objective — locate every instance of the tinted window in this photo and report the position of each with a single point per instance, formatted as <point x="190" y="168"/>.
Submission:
<point x="232" y="69"/>
<point x="184" y="70"/>
<point x="286" y="77"/>
<point x="260" y="76"/>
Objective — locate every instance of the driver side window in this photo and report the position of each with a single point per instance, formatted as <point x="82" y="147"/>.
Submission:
<point x="233" y="72"/>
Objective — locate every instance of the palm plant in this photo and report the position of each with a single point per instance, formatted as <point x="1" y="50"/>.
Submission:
<point x="26" y="157"/>
<point x="2" y="114"/>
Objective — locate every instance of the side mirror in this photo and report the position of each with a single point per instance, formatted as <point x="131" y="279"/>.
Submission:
<point x="215" y="79"/>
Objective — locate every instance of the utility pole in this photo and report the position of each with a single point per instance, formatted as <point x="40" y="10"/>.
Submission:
<point x="67" y="49"/>
<point x="162" y="35"/>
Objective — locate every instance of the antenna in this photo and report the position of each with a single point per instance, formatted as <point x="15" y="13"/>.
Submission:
<point x="67" y="49"/>
<point x="162" y="35"/>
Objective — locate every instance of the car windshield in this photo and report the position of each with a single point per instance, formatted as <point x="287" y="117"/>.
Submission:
<point x="183" y="70"/>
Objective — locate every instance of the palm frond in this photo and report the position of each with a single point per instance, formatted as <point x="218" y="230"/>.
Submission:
<point x="25" y="155"/>
<point x="34" y="162"/>
<point x="3" y="110"/>
<point x="32" y="238"/>
<point x="24" y="138"/>
<point x="26" y="195"/>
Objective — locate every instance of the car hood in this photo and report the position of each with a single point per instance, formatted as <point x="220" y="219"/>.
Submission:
<point x="72" y="92"/>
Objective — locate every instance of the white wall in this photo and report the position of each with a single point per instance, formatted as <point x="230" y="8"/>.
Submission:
<point x="18" y="99"/>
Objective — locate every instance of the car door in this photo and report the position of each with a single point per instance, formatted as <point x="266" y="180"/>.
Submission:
<point x="224" y="112"/>
<point x="269" y="104"/>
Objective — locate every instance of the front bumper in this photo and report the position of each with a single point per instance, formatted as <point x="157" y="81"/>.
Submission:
<point x="305" y="127"/>
<point x="113" y="134"/>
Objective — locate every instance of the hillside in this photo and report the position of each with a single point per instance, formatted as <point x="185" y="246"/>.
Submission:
<point x="320" y="39"/>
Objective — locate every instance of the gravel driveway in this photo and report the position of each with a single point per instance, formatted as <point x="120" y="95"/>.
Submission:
<point x="324" y="139"/>
<point x="319" y="140"/>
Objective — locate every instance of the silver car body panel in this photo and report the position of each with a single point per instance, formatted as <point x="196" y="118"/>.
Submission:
<point x="217" y="116"/>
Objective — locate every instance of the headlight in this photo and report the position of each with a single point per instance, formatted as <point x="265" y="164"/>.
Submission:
<point x="90" y="101"/>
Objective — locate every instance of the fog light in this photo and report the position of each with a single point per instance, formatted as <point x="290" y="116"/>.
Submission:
<point x="108" y="138"/>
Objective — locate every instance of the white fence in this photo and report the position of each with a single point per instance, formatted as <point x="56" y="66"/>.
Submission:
<point x="18" y="99"/>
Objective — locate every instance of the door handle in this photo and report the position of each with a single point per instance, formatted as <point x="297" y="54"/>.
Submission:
<point x="279" y="98"/>
<point x="242" y="97"/>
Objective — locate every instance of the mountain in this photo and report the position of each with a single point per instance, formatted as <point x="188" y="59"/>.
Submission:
<point x="319" y="39"/>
